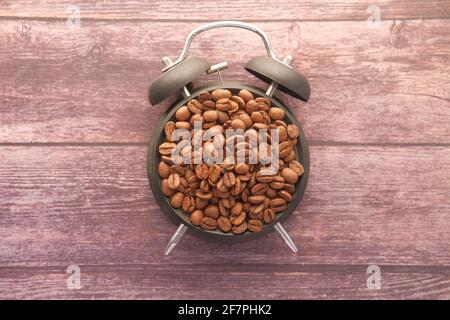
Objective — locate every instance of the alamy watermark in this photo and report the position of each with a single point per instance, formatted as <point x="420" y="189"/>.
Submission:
<point x="74" y="278"/>
<point x="374" y="279"/>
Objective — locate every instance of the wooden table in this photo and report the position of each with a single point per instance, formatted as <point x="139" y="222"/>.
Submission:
<point x="75" y="121"/>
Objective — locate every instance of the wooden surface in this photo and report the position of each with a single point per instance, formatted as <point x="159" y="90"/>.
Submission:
<point x="75" y="120"/>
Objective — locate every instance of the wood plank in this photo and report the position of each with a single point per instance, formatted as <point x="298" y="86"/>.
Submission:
<point x="235" y="282"/>
<point x="220" y="10"/>
<point x="385" y="85"/>
<point x="92" y="206"/>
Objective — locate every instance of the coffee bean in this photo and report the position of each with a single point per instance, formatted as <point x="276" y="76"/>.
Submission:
<point x="268" y="215"/>
<point x="237" y="208"/>
<point x="169" y="128"/>
<point x="203" y="96"/>
<point x="200" y="203"/>
<point x="224" y="224"/>
<point x="220" y="94"/>
<point x="285" y="195"/>
<point x="208" y="223"/>
<point x="238" y="219"/>
<point x="229" y="179"/>
<point x="212" y="211"/>
<point x="289" y="175"/>
<point x="208" y="105"/>
<point x="238" y="124"/>
<point x="256" y="199"/>
<point x="210" y="116"/>
<point x="289" y="188"/>
<point x="188" y="204"/>
<point x="276" y="113"/>
<point x="246" y="95"/>
<point x="203" y="195"/>
<point x="166" y="148"/>
<point x="177" y="200"/>
<point x="240" y="228"/>
<point x="293" y="131"/>
<point x="163" y="169"/>
<point x="239" y="101"/>
<point x="278" y="204"/>
<point x="297" y="167"/>
<point x="223" y="104"/>
<point x="173" y="181"/>
<point x="196" y="217"/>
<point x="254" y="225"/>
<point x="214" y="173"/>
<point x="277" y="183"/>
<point x="194" y="106"/>
<point x="168" y="192"/>
<point x="202" y="171"/>
<point x="251" y="106"/>
<point x="182" y="114"/>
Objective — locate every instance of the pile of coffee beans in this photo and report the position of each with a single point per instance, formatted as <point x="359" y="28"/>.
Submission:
<point x="230" y="196"/>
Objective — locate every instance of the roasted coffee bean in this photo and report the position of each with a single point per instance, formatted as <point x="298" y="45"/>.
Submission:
<point x="229" y="179"/>
<point x="220" y="94"/>
<point x="289" y="175"/>
<point x="195" y="106"/>
<point x="289" y="188"/>
<point x="239" y="100"/>
<point x="224" y="224"/>
<point x="182" y="125"/>
<point x="259" y="188"/>
<point x="214" y="173"/>
<point x="285" y="195"/>
<point x="237" y="124"/>
<point x="238" y="219"/>
<point x="277" y="183"/>
<point x="297" y="167"/>
<point x="169" y="128"/>
<point x="256" y="199"/>
<point x="278" y="204"/>
<point x="285" y="149"/>
<point x="210" y="116"/>
<point x="204" y="186"/>
<point x="173" y="181"/>
<point x="196" y="217"/>
<point x="268" y="215"/>
<point x="166" y="148"/>
<point x="177" y="200"/>
<point x="188" y="204"/>
<point x="264" y="101"/>
<point x="282" y="134"/>
<point x="293" y="131"/>
<point x="254" y="225"/>
<point x="241" y="168"/>
<point x="163" y="169"/>
<point x="246" y="95"/>
<point x="208" y="223"/>
<point x="251" y="106"/>
<point x="223" y="104"/>
<point x="228" y="202"/>
<point x="183" y="114"/>
<point x="212" y="211"/>
<point x="203" y="195"/>
<point x="203" y="96"/>
<point x="208" y="105"/>
<point x="223" y="211"/>
<point x="202" y="171"/>
<point x="276" y="113"/>
<point x="200" y="203"/>
<point x="237" y="208"/>
<point x="165" y="188"/>
<point x="264" y="178"/>
<point x="240" y="228"/>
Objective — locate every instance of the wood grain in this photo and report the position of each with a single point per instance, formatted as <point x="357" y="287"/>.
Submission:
<point x="385" y="85"/>
<point x="232" y="9"/>
<point x="93" y="206"/>
<point x="235" y="282"/>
